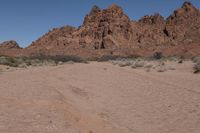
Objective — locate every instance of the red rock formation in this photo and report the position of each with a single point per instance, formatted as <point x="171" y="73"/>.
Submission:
<point x="56" y="38"/>
<point x="101" y="29"/>
<point x="184" y="24"/>
<point x="10" y="48"/>
<point x="105" y="29"/>
<point x="110" y="31"/>
<point x="9" y="45"/>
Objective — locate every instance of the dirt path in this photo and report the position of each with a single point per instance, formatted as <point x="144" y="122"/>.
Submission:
<point x="99" y="98"/>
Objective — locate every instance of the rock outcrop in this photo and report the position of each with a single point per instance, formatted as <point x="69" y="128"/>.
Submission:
<point x="9" y="45"/>
<point x="101" y="29"/>
<point x="110" y="31"/>
<point x="56" y="38"/>
<point x="10" y="48"/>
<point x="105" y="29"/>
<point x="183" y="25"/>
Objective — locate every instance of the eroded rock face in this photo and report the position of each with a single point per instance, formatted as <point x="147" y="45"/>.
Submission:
<point x="184" y="24"/>
<point x="183" y="14"/>
<point x="105" y="29"/>
<point x="148" y="32"/>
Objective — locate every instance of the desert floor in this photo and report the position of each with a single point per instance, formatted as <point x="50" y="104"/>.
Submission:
<point x="99" y="98"/>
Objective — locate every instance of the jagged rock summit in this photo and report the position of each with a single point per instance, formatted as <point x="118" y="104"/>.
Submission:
<point x="105" y="29"/>
<point x="111" y="32"/>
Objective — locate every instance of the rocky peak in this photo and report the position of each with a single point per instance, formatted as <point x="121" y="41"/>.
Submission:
<point x="102" y="27"/>
<point x="10" y="45"/>
<point x="115" y="8"/>
<point x="182" y="14"/>
<point x="94" y="13"/>
<point x="95" y="9"/>
<point x="188" y="7"/>
<point x="153" y="19"/>
<point x="97" y="15"/>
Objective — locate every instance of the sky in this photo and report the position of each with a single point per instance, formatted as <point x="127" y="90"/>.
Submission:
<point x="27" y="20"/>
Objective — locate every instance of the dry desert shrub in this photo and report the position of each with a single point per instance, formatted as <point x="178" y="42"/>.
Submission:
<point x="161" y="69"/>
<point x="197" y="68"/>
<point x="157" y="55"/>
<point x="139" y="64"/>
<point x="171" y="68"/>
<point x="124" y="63"/>
<point x="196" y="60"/>
<point x="39" y="60"/>
<point x="180" y="61"/>
<point x="108" y="58"/>
<point x="58" y="58"/>
<point x="148" y="66"/>
<point x="9" y="61"/>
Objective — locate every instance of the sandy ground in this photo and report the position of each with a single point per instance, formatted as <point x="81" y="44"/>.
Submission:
<point x="99" y="98"/>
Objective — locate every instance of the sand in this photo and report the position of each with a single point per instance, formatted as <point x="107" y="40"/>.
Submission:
<point x="99" y="98"/>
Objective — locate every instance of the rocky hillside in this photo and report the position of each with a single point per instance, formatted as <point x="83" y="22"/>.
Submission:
<point x="110" y="31"/>
<point x="9" y="45"/>
<point x="10" y="48"/>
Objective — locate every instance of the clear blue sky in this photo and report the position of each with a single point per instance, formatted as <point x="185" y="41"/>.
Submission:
<point x="26" y="20"/>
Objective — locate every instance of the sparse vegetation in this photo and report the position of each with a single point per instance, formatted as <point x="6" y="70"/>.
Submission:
<point x="171" y="68"/>
<point x="124" y="64"/>
<point x="59" y="58"/>
<point x="139" y="64"/>
<point x="148" y="66"/>
<point x="9" y="61"/>
<point x="180" y="61"/>
<point x="197" y="68"/>
<point x="157" y="55"/>
<point x="161" y="69"/>
<point x="147" y="63"/>
<point x="196" y="60"/>
<point x="39" y="60"/>
<point x="108" y="58"/>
